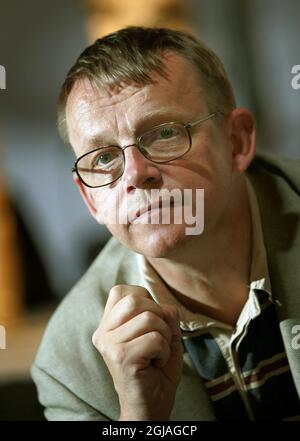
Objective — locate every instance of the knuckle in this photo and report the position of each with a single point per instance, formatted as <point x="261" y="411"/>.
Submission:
<point x="156" y="338"/>
<point x="116" y="291"/>
<point x="147" y="317"/>
<point x="132" y="302"/>
<point x="97" y="340"/>
<point x="118" y="354"/>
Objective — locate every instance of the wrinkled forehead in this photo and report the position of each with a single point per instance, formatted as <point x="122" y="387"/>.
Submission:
<point x="87" y="101"/>
<point x="92" y="111"/>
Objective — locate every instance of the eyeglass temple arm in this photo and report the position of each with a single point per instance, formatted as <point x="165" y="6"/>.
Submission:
<point x="212" y="115"/>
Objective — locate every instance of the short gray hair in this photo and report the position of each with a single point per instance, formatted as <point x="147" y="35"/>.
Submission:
<point x="131" y="54"/>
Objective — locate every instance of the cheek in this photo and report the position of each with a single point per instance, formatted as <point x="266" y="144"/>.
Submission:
<point x="217" y="196"/>
<point x="214" y="175"/>
<point x="105" y="205"/>
<point x="108" y="212"/>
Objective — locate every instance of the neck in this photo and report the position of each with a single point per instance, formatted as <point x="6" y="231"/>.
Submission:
<point x="210" y="273"/>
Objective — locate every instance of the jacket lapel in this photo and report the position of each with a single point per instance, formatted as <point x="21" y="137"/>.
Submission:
<point x="192" y="402"/>
<point x="279" y="204"/>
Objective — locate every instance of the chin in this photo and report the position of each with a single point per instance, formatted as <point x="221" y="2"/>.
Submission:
<point x="157" y="240"/>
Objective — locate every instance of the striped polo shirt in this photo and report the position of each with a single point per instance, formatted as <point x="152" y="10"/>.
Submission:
<point x="244" y="368"/>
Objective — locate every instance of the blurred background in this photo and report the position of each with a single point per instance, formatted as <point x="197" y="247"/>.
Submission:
<point x="47" y="237"/>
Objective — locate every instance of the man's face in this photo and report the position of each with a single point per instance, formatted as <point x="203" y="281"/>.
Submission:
<point x="116" y="117"/>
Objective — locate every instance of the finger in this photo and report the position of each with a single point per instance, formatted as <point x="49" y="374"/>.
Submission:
<point x="171" y="316"/>
<point x="118" y="292"/>
<point x="129" y="307"/>
<point x="174" y="363"/>
<point x="141" y="324"/>
<point x="141" y="351"/>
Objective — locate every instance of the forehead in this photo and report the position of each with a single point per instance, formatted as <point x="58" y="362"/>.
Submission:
<point x="92" y="109"/>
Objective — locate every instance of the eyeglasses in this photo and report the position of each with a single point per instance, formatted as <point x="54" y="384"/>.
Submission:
<point x="164" y="143"/>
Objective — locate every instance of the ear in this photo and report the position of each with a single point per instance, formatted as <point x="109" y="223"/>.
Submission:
<point x="86" y="196"/>
<point x="242" y="137"/>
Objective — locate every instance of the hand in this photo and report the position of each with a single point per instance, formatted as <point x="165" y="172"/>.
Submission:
<point x="140" y="342"/>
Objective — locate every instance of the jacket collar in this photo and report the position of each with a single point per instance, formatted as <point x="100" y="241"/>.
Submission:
<point x="278" y="195"/>
<point x="279" y="206"/>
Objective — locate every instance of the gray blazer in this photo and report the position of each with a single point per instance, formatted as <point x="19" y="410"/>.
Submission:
<point x="72" y="379"/>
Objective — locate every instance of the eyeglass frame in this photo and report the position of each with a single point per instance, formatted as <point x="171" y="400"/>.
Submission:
<point x="187" y="128"/>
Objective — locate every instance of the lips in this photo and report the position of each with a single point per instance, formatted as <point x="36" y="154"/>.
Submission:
<point x="150" y="207"/>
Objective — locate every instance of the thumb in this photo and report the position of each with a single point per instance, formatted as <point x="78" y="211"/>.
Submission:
<point x="171" y="316"/>
<point x="173" y="366"/>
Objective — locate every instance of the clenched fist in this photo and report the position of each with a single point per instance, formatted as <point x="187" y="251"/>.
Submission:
<point x="140" y="342"/>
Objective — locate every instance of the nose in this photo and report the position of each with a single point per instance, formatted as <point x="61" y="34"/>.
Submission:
<point x="139" y="172"/>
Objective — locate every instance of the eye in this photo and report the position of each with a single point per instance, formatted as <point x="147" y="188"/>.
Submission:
<point x="104" y="158"/>
<point x="167" y="132"/>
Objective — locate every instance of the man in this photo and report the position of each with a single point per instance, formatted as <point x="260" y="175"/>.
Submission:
<point x="165" y="324"/>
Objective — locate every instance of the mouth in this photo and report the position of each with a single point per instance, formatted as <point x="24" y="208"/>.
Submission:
<point x="154" y="206"/>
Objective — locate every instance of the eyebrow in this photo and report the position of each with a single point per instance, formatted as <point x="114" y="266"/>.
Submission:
<point x="146" y="122"/>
